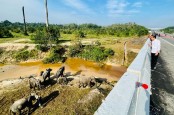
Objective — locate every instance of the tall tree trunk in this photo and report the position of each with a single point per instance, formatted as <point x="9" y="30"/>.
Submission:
<point x="46" y="10"/>
<point x="25" y="30"/>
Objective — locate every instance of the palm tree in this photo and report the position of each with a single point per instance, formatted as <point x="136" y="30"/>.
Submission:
<point x="46" y="10"/>
<point x="25" y="30"/>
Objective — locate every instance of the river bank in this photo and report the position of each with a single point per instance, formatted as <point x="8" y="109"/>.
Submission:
<point x="72" y="66"/>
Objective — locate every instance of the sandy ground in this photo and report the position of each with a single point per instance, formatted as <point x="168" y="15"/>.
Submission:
<point x="15" y="71"/>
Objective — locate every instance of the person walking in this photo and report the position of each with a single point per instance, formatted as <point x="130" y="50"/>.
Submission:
<point x="155" y="50"/>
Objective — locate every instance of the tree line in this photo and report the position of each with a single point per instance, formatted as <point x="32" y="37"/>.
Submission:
<point x="169" y="30"/>
<point x="7" y="29"/>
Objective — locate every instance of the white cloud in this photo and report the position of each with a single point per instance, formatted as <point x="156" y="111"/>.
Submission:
<point x="137" y="4"/>
<point x="116" y="7"/>
<point x="119" y="8"/>
<point x="78" y="4"/>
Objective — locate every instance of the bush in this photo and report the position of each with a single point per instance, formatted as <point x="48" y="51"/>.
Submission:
<point x="55" y="55"/>
<point x="4" y="33"/>
<point x="42" y="48"/>
<point x="22" y="55"/>
<point x="109" y="52"/>
<point x="75" y="49"/>
<point x="79" y="34"/>
<point x="41" y="38"/>
<point x="1" y="51"/>
<point x="53" y="58"/>
<point x="34" y="53"/>
<point x="94" y="53"/>
<point x="44" y="37"/>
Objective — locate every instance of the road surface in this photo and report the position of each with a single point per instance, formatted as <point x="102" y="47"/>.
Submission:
<point x="162" y="98"/>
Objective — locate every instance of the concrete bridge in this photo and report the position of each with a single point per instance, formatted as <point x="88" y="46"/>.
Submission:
<point x="141" y="91"/>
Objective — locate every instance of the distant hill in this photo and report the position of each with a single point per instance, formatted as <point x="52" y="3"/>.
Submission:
<point x="169" y="30"/>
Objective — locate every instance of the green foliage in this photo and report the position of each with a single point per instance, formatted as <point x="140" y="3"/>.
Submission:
<point x="109" y="52"/>
<point x="4" y="33"/>
<point x="79" y="34"/>
<point x="46" y="38"/>
<point x="42" y="48"/>
<point x="34" y="53"/>
<point x="89" y="52"/>
<point x="75" y="49"/>
<point x="169" y="30"/>
<point x="24" y="54"/>
<point x="41" y="38"/>
<point x="93" y="53"/>
<point x="54" y="34"/>
<point x="79" y="31"/>
<point x="55" y="55"/>
<point x="1" y="51"/>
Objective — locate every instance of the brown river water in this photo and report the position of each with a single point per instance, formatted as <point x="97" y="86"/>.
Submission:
<point x="72" y="66"/>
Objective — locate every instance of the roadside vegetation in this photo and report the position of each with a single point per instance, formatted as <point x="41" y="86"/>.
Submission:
<point x="169" y="30"/>
<point x="90" y="52"/>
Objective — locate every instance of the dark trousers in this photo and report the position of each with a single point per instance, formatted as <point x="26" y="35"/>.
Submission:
<point x="154" y="59"/>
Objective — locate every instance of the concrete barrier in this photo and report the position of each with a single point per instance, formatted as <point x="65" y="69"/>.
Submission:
<point x="128" y="98"/>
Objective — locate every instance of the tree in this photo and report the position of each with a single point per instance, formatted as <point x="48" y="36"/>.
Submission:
<point x="46" y="11"/>
<point x="25" y="30"/>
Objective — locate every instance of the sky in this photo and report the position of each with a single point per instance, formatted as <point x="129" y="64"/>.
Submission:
<point x="149" y="13"/>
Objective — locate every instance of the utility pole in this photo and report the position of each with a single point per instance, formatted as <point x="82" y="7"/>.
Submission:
<point x="46" y="11"/>
<point x="25" y="30"/>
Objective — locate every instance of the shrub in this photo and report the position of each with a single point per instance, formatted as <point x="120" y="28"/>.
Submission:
<point x="42" y="48"/>
<point x="53" y="58"/>
<point x="5" y="33"/>
<point x="34" y="53"/>
<point x="109" y="52"/>
<point x="94" y="53"/>
<point x="79" y="34"/>
<point x="75" y="49"/>
<point x="1" y="51"/>
<point x="55" y="55"/>
<point x="22" y="55"/>
<point x="46" y="37"/>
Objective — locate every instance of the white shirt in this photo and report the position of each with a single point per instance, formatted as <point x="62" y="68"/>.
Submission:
<point x="156" y="46"/>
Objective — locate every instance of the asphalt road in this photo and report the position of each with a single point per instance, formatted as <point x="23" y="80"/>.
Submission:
<point x="162" y="98"/>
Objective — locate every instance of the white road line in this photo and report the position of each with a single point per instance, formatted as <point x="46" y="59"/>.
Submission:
<point x="167" y="42"/>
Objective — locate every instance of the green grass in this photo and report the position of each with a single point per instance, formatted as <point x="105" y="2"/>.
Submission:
<point x="19" y="35"/>
<point x="6" y="40"/>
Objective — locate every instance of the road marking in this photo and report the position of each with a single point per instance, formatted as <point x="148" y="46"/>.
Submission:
<point x="167" y="42"/>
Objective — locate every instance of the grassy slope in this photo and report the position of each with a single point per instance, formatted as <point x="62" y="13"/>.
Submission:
<point x="57" y="100"/>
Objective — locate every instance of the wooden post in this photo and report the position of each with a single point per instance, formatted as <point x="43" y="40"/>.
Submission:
<point x="125" y="59"/>
<point x="25" y="30"/>
<point x="46" y="11"/>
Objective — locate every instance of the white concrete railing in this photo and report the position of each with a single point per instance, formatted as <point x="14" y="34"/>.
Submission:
<point x="126" y="98"/>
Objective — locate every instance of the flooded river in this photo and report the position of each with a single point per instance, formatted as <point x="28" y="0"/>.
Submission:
<point x="72" y="65"/>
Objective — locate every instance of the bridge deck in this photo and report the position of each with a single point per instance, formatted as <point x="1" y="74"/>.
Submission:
<point x="162" y="98"/>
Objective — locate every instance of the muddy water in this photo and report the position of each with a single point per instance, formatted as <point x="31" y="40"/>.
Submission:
<point x="72" y="66"/>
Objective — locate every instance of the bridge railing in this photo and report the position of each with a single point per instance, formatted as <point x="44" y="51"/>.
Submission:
<point x="128" y="97"/>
